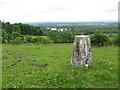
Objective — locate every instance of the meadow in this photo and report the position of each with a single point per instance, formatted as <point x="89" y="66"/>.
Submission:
<point x="48" y="66"/>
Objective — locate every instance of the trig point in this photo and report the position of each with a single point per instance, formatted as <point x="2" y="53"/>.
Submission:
<point x="82" y="55"/>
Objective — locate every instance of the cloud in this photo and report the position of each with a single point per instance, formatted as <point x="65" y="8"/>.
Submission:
<point x="111" y="10"/>
<point x="52" y="9"/>
<point x="3" y="3"/>
<point x="58" y="10"/>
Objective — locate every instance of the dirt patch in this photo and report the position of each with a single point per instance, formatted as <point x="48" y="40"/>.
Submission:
<point x="55" y="53"/>
<point x="20" y="57"/>
<point x="9" y="52"/>
<point x="51" y="56"/>
<point x="16" y="62"/>
<point x="67" y="77"/>
<point x="27" y="74"/>
<point x="6" y="50"/>
<point x="34" y="60"/>
<point x="37" y="65"/>
<point x="4" y="57"/>
<point x="28" y="60"/>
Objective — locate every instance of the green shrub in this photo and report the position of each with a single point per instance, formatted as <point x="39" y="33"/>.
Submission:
<point x="117" y="40"/>
<point x="0" y="40"/>
<point x="28" y="39"/>
<point x="45" y="40"/>
<point x="4" y="36"/>
<point x="15" y="35"/>
<point x="99" y="39"/>
<point x="41" y="39"/>
<point x="18" y="40"/>
<point x="111" y="41"/>
<point x="37" y="39"/>
<point x="61" y="36"/>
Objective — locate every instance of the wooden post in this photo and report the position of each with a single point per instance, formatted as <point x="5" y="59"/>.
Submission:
<point x="82" y="55"/>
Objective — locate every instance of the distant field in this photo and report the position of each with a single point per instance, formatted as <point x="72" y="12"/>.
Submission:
<point x="48" y="66"/>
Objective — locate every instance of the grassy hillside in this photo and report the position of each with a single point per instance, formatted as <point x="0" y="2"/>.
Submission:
<point x="48" y="66"/>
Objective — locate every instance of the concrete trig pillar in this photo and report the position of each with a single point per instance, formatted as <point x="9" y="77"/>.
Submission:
<point x="82" y="55"/>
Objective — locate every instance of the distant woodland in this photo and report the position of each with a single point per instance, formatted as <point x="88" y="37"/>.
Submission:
<point x="25" y="33"/>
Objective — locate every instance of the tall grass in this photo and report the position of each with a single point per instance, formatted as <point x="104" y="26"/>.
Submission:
<point x="24" y="66"/>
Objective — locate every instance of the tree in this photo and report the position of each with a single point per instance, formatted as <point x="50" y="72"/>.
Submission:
<point x="99" y="39"/>
<point x="117" y="40"/>
<point x="25" y="29"/>
<point x="8" y="27"/>
<point x="17" y="40"/>
<point x="4" y="36"/>
<point x="16" y="28"/>
<point x="15" y="35"/>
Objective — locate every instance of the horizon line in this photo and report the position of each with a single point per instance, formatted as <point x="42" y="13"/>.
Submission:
<point x="63" y="21"/>
<point x="72" y="21"/>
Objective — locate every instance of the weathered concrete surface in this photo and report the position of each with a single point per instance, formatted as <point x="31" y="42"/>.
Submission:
<point x="82" y="55"/>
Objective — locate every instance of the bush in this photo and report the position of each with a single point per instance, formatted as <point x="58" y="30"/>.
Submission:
<point x="111" y="41"/>
<point x="17" y="40"/>
<point x="99" y="39"/>
<point x="61" y="36"/>
<point x="4" y="36"/>
<point x="28" y="39"/>
<point x="15" y="35"/>
<point x="37" y="39"/>
<point x="0" y="40"/>
<point x="45" y="40"/>
<point x="117" y="40"/>
<point x="41" y="39"/>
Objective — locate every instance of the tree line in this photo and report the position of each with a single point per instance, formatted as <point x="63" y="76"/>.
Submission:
<point x="23" y="33"/>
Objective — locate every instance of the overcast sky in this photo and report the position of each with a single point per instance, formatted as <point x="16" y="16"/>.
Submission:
<point x="58" y="10"/>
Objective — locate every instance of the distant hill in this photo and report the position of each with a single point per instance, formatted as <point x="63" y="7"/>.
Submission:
<point x="95" y="23"/>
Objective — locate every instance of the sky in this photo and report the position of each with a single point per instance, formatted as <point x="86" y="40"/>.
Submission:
<point x="58" y="10"/>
